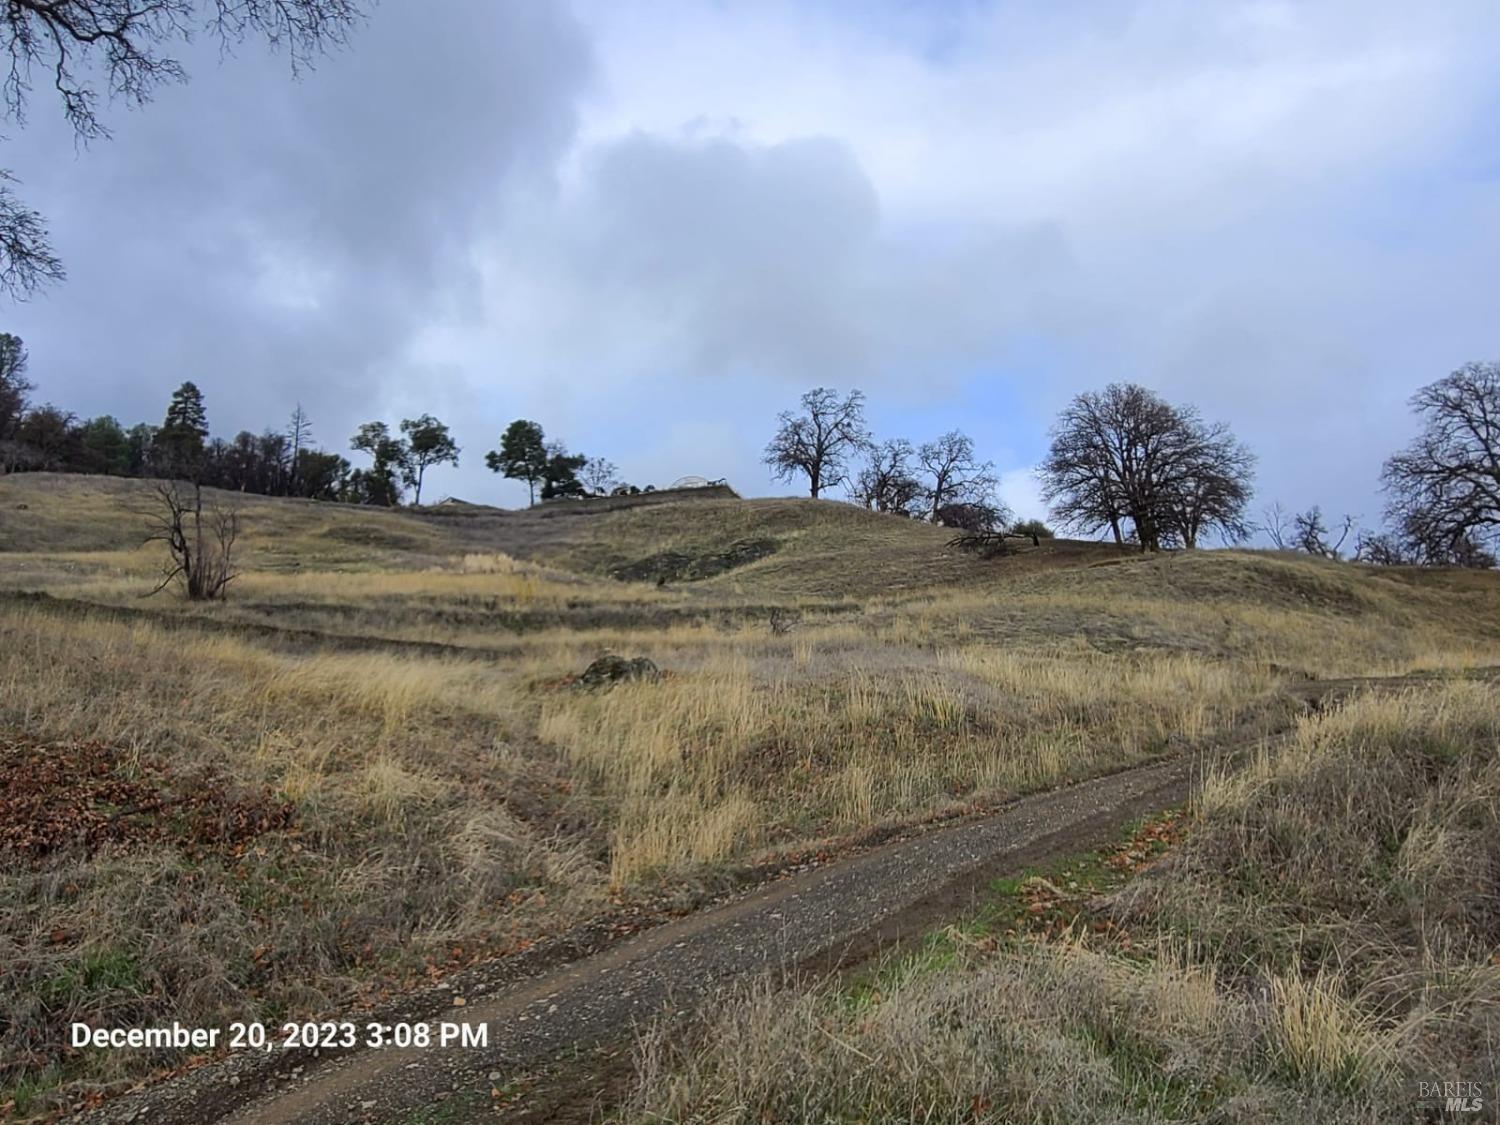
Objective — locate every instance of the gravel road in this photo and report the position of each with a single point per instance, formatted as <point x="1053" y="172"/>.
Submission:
<point x="818" y="920"/>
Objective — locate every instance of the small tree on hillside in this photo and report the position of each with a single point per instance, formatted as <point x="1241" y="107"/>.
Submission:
<point x="977" y="515"/>
<point x="1033" y="528"/>
<point x="390" y="465"/>
<point x="560" y="476"/>
<point x="522" y="455"/>
<point x="1310" y="533"/>
<point x="428" y="443"/>
<point x="887" y="482"/>
<point x="1276" y="525"/>
<point x="106" y="446"/>
<point x="819" y="442"/>
<point x="600" y="475"/>
<point x="320" y="475"/>
<point x="956" y="478"/>
<point x="200" y="543"/>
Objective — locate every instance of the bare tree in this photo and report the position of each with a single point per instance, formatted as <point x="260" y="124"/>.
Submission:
<point x="600" y="475"/>
<point x="819" y="442"/>
<point x="26" y="258"/>
<point x="299" y="435"/>
<point x="1383" y="549"/>
<point x="1275" y="521"/>
<point x="986" y="515"/>
<point x="1311" y="534"/>
<point x="1444" y="488"/>
<point x="1126" y="460"/>
<point x="887" y="482"/>
<point x="956" y="478"/>
<point x="1210" y="487"/>
<point x="200" y="543"/>
<point x="103" y="49"/>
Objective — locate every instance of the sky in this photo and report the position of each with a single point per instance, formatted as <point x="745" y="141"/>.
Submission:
<point x="651" y="226"/>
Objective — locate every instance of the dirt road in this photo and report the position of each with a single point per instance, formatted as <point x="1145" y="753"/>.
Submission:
<point x="817" y="920"/>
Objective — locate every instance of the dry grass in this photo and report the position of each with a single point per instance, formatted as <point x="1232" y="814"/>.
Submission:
<point x="467" y="796"/>
<point x="1323" y="940"/>
<point x="703" y="765"/>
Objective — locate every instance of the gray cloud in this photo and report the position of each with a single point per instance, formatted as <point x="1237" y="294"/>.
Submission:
<point x="277" y="239"/>
<point x="650" y="227"/>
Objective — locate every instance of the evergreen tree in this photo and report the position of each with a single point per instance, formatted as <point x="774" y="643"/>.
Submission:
<point x="106" y="446"/>
<point x="390" y="464"/>
<point x="522" y="454"/>
<point x="430" y="444"/>
<point x="13" y="383"/>
<point x="560" y="475"/>
<point x="180" y="441"/>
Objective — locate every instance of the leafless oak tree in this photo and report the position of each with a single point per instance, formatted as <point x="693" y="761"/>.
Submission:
<point x="599" y="475"/>
<point x="1310" y="533"/>
<point x="1210" y="487"/>
<point x="1444" y="488"/>
<point x="886" y="482"/>
<point x="200" y="542"/>
<point x="1276" y="525"/>
<point x="956" y="479"/>
<point x="1126" y="460"/>
<point x="97" y="50"/>
<point x="819" y="442"/>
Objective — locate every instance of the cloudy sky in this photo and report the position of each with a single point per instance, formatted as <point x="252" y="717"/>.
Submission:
<point x="650" y="226"/>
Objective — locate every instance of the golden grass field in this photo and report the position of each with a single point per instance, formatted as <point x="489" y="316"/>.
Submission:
<point x="1321" y="942"/>
<point x="401" y="680"/>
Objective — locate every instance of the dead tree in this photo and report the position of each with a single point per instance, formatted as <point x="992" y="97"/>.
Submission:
<point x="1311" y="534"/>
<point x="200" y="542"/>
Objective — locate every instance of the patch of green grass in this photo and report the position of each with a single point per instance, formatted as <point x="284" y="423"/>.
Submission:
<point x="460" y="1107"/>
<point x="30" y="1090"/>
<point x="1009" y="912"/>
<point x="97" y="970"/>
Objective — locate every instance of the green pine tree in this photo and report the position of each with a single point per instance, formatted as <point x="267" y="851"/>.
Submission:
<point x="178" y="449"/>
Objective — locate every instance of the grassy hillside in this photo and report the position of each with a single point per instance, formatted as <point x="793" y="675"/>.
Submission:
<point x="1317" y="940"/>
<point x="373" y="762"/>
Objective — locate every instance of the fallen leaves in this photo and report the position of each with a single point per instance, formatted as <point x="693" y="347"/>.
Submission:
<point x="88" y="794"/>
